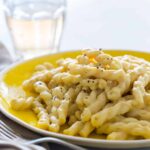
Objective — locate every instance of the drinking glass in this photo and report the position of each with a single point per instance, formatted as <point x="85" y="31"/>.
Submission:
<point x="35" y="26"/>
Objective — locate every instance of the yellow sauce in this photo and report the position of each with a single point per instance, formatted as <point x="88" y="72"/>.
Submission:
<point x="16" y="75"/>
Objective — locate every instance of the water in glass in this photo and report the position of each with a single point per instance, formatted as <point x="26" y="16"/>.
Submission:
<point x="36" y="27"/>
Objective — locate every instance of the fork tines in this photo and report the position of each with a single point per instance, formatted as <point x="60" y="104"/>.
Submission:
<point x="7" y="132"/>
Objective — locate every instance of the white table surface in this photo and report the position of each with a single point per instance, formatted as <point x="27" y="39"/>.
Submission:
<point x="103" y="24"/>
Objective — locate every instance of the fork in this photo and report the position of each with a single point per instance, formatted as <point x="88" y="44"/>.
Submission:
<point x="7" y="133"/>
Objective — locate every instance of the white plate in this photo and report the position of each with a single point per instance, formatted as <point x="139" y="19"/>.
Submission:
<point x="77" y="140"/>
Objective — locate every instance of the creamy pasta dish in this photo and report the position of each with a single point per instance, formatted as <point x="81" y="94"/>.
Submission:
<point x="92" y="93"/>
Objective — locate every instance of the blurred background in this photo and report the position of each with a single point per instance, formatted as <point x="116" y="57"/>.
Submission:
<point x="107" y="24"/>
<point x="115" y="24"/>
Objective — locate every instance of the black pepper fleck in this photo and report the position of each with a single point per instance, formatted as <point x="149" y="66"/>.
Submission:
<point x="84" y="91"/>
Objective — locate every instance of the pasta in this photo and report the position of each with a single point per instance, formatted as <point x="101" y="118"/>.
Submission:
<point x="42" y="114"/>
<point x="92" y="93"/>
<point x="117" y="136"/>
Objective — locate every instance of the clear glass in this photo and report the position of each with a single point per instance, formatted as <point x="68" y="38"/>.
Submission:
<point x="35" y="25"/>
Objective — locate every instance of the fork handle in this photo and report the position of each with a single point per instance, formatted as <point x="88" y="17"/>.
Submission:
<point x="57" y="141"/>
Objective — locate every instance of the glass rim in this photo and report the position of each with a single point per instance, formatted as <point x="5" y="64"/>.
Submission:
<point x="11" y="3"/>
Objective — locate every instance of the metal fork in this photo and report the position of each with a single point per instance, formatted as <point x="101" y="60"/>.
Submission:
<point x="7" y="133"/>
